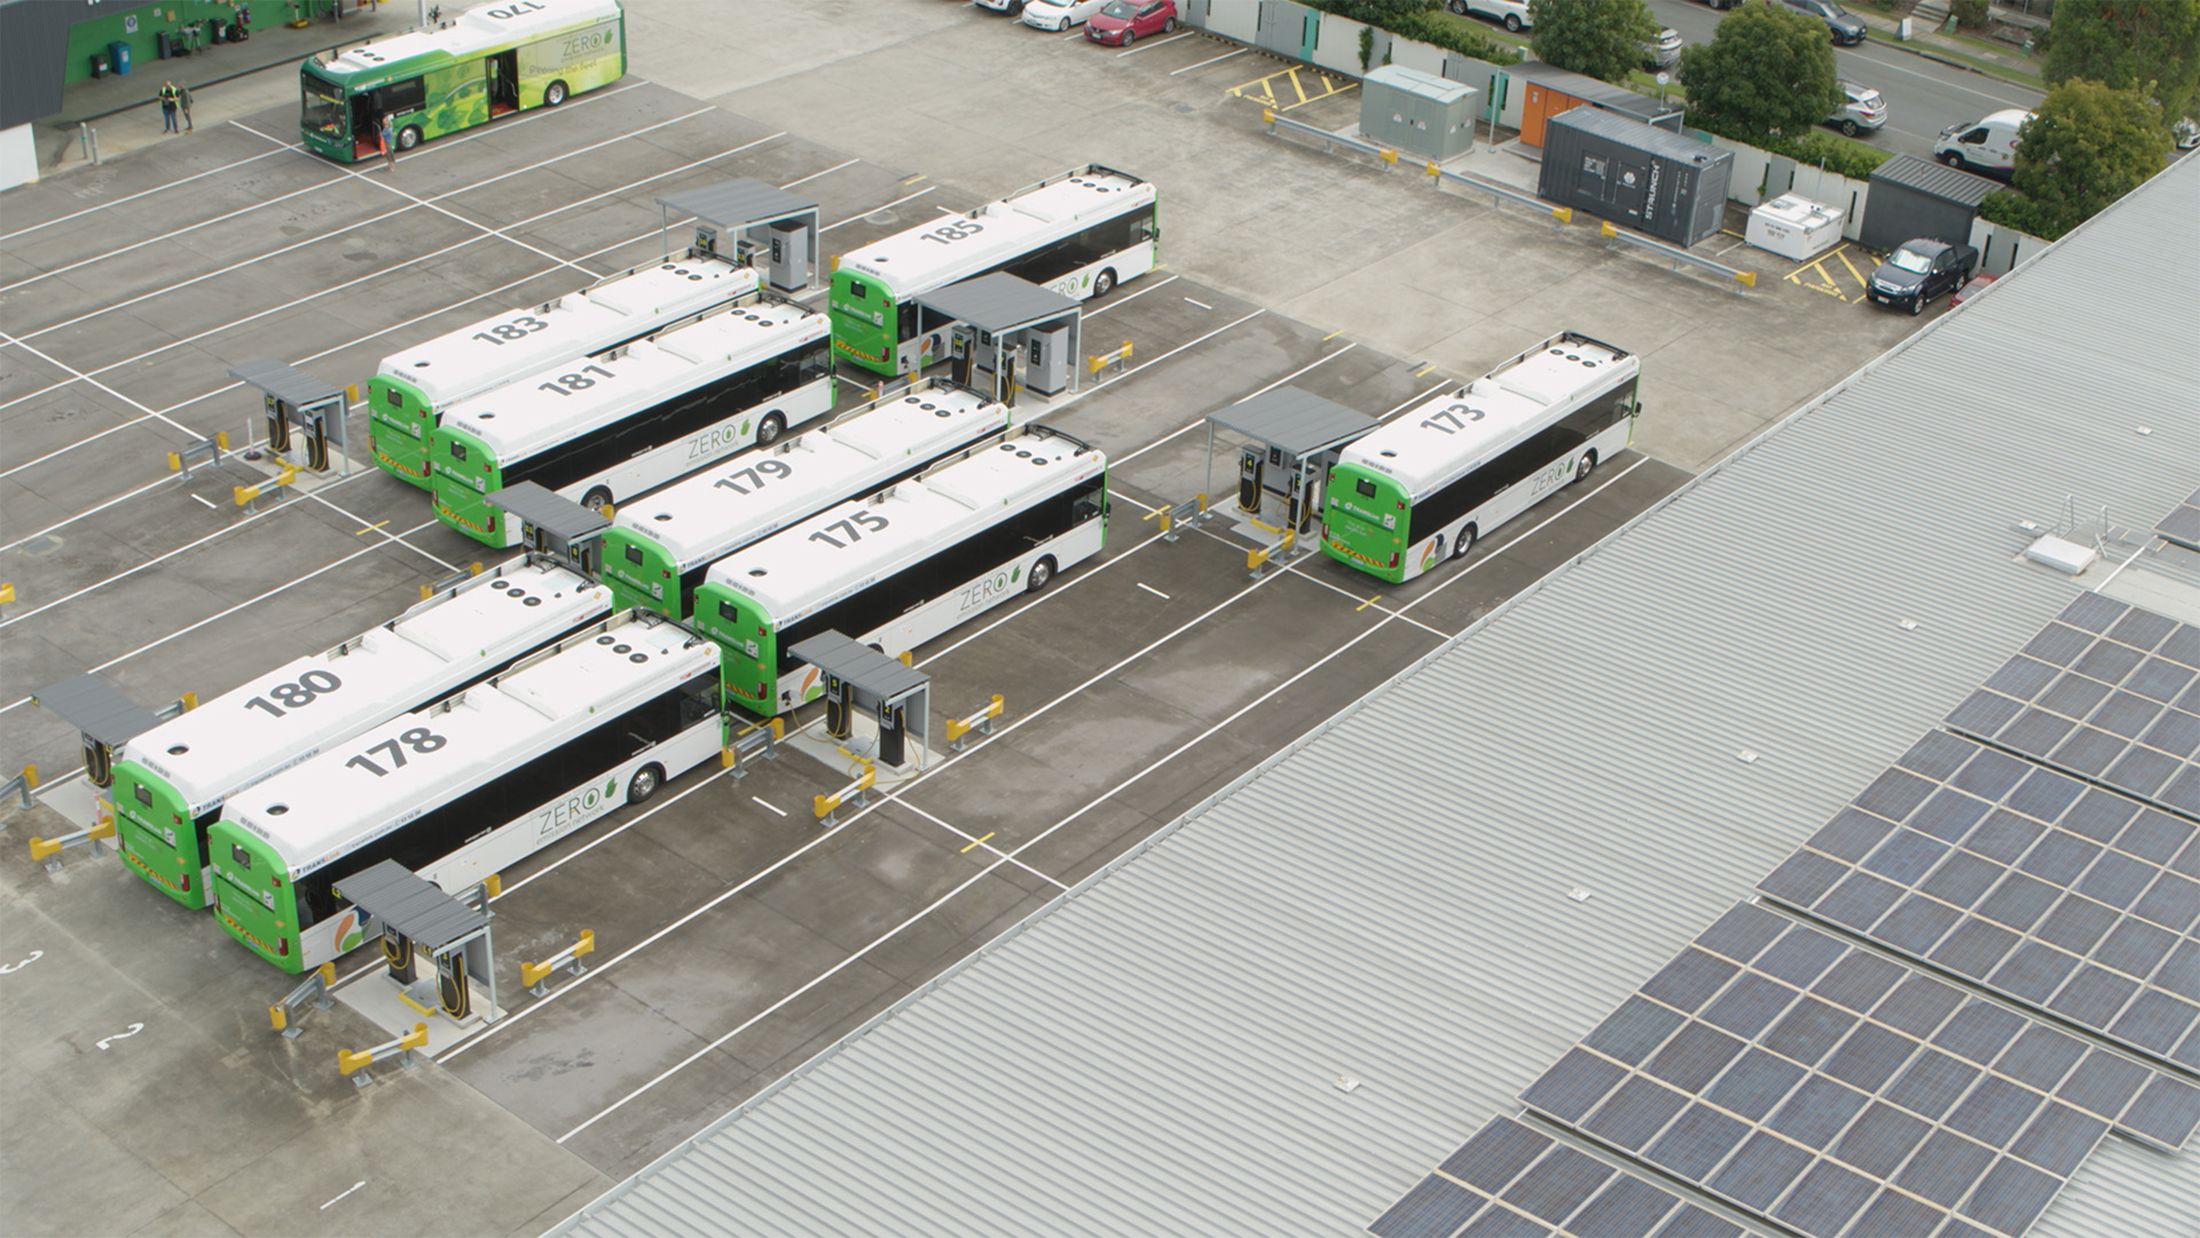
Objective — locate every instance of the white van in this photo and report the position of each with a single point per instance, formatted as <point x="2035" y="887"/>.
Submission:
<point x="1988" y="145"/>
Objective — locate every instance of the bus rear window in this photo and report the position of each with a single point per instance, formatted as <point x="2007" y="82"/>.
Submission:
<point x="1366" y="488"/>
<point x="240" y="855"/>
<point x="458" y="451"/>
<point x="634" y="554"/>
<point x="858" y="290"/>
<point x="397" y="398"/>
<point x="144" y="796"/>
<point x="727" y="612"/>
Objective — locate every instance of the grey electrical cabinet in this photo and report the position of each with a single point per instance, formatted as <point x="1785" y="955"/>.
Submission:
<point x="1637" y="176"/>
<point x="1046" y="368"/>
<point x="1418" y="113"/>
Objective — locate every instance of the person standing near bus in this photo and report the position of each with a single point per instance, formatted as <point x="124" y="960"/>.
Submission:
<point x="389" y="142"/>
<point x="183" y="101"/>
<point x="168" y="107"/>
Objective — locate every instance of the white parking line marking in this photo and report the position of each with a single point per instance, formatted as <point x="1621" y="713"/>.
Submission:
<point x="876" y="209"/>
<point x="1201" y="304"/>
<point x="972" y="839"/>
<point x="768" y="804"/>
<point x="1212" y="60"/>
<point x="1147" y="47"/>
<point x="348" y="1190"/>
<point x="200" y="497"/>
<point x="89" y="210"/>
<point x="1156" y="592"/>
<point x="1126" y="300"/>
<point x="1188" y="428"/>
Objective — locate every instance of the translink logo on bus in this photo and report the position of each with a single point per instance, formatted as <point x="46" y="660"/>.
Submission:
<point x="562" y="815"/>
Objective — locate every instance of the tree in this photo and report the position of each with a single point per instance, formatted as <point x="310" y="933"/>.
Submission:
<point x="1602" y="38"/>
<point x="2128" y="44"/>
<point x="2087" y="146"/>
<point x="1768" y="72"/>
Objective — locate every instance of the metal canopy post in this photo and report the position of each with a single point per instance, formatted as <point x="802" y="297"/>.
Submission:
<point x="741" y="220"/>
<point x="552" y="525"/>
<point x="293" y="398"/>
<point x="1019" y="326"/>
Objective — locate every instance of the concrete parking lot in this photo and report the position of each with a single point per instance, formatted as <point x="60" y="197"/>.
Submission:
<point x="737" y="938"/>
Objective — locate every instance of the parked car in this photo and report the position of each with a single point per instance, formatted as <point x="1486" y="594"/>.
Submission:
<point x="1010" y="7"/>
<point x="1843" y="25"/>
<point x="1514" y="13"/>
<point x="1664" y="51"/>
<point x="1976" y="286"/>
<point x="1124" y="22"/>
<point x="1723" y="4"/>
<point x="1919" y="270"/>
<point x="1863" y="108"/>
<point x="1986" y="145"/>
<point x="1060" y="14"/>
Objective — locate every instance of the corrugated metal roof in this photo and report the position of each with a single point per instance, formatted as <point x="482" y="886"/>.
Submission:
<point x="1390" y="898"/>
<point x="739" y="203"/>
<point x="999" y="302"/>
<point x="1937" y="179"/>
<point x="1593" y="90"/>
<point x="1294" y="419"/>
<point x="1615" y="127"/>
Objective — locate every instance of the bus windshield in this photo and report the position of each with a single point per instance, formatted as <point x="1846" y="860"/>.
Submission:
<point x="324" y="106"/>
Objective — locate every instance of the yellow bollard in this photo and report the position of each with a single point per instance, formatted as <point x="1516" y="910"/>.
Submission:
<point x="1747" y="279"/>
<point x="1268" y="116"/>
<point x="1563" y="214"/>
<point x="244" y="494"/>
<point x="1607" y="230"/>
<point x="416" y="1038"/>
<point x="349" y="1061"/>
<point x="1433" y="170"/>
<point x="189" y="701"/>
<point x="7" y="592"/>
<point x="351" y="393"/>
<point x="175" y="463"/>
<point x="221" y="439"/>
<point x="493" y="885"/>
<point x="30" y="777"/>
<point x="41" y="849"/>
<point x="908" y="658"/>
<point x="821" y="806"/>
<point x="1389" y="157"/>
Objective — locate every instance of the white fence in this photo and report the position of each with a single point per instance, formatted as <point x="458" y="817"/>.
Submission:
<point x="2001" y="247"/>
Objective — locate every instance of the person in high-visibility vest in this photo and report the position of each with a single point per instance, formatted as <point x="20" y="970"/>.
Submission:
<point x="168" y="107"/>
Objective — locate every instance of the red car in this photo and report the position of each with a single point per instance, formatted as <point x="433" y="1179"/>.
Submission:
<point x="1124" y="22"/>
<point x="1976" y="286"/>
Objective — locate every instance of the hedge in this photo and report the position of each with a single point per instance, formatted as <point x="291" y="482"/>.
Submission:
<point x="1839" y="155"/>
<point x="1425" y="27"/>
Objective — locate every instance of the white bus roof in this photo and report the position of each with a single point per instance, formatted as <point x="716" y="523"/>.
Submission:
<point x="520" y="419"/>
<point x="1525" y="393"/>
<point x="910" y="264"/>
<point x="792" y="576"/>
<point x="475" y="31"/>
<point x="424" y="653"/>
<point x="697" y="519"/>
<point x="619" y="307"/>
<point x="330" y="808"/>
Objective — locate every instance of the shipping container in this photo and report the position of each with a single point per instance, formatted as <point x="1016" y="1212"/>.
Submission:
<point x="1637" y="176"/>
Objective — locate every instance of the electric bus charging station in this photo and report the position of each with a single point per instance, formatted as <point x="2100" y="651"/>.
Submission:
<point x="752" y="223"/>
<point x="105" y="720"/>
<point x="889" y="698"/>
<point x="297" y="401"/>
<point x="1010" y="335"/>
<point x="554" y="527"/>
<point x="439" y="960"/>
<point x="1289" y="439"/>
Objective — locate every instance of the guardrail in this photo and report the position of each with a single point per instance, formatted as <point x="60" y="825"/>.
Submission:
<point x="21" y="786"/>
<point x="1614" y="235"/>
<point x="850" y="796"/>
<point x="314" y="989"/>
<point x="47" y="851"/>
<point x="352" y="1064"/>
<point x="1190" y="511"/>
<point x="1498" y="193"/>
<point x="536" y="976"/>
<point x="759" y="741"/>
<point x="982" y="722"/>
<point x="1257" y="559"/>
<point x="1383" y="154"/>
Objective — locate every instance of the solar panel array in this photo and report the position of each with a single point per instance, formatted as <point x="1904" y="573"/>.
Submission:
<point x="2182" y="525"/>
<point x="2062" y="896"/>
<point x="1837" y="1092"/>
<point x="2107" y="692"/>
<point x="1513" y="1180"/>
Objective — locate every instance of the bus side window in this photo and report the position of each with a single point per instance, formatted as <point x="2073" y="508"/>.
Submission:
<point x="409" y="95"/>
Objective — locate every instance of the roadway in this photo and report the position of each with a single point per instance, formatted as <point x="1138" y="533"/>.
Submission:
<point x="1923" y="96"/>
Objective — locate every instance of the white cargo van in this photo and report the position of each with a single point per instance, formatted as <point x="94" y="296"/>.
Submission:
<point x="1988" y="145"/>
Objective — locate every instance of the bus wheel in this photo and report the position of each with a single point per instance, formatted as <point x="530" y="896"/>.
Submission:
<point x="408" y="137"/>
<point x="596" y="499"/>
<point x="1587" y="466"/>
<point x="769" y="430"/>
<point x="1041" y="573"/>
<point x="553" y="94"/>
<point x="1104" y="283"/>
<point x="1465" y="543"/>
<point x="645" y="783"/>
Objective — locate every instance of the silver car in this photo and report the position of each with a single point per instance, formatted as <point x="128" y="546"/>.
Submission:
<point x="1664" y="51"/>
<point x="1862" y="109"/>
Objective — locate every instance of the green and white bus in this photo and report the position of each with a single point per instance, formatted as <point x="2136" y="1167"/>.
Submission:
<point x="603" y="428"/>
<point x="409" y="393"/>
<point x="898" y="568"/>
<point x="469" y="786"/>
<point x="656" y="552"/>
<point x="1426" y="486"/>
<point x="1080" y="234"/>
<point x="171" y="782"/>
<point x="492" y="61"/>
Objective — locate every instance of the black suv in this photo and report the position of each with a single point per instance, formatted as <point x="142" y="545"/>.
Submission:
<point x="1846" y="29"/>
<point x="1917" y="271"/>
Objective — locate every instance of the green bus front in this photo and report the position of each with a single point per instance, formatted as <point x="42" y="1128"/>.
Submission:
<point x="639" y="571"/>
<point x="466" y="474"/>
<point x="400" y="421"/>
<point x="866" y="322"/>
<point x="1365" y="522"/>
<point x="748" y="649"/>
<point x="431" y="94"/>
<point x="256" y="902"/>
<point x="156" y="835"/>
